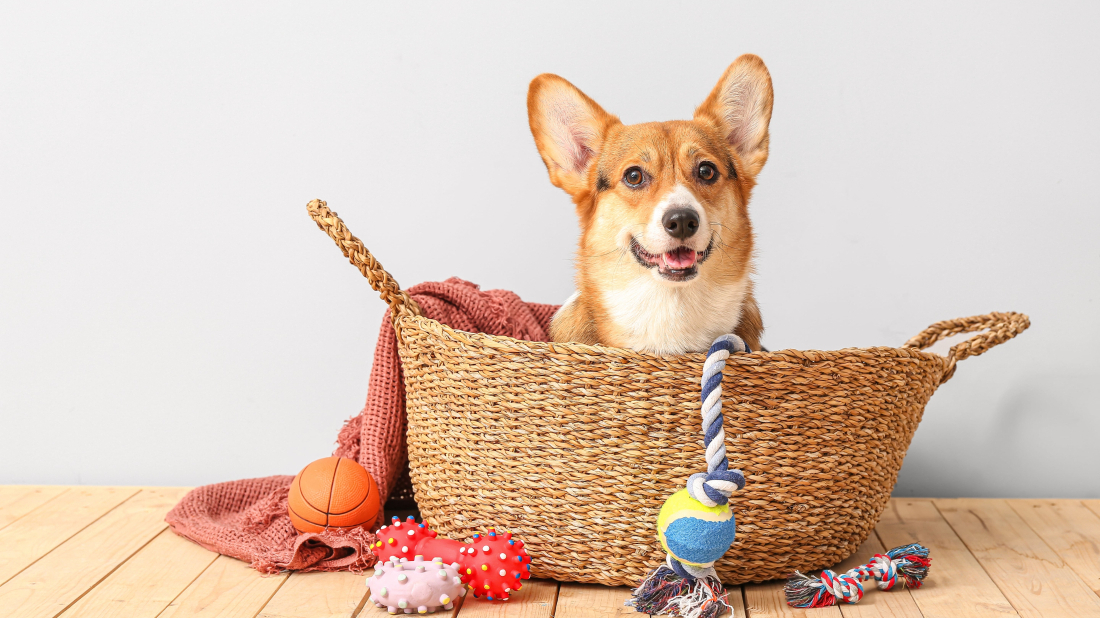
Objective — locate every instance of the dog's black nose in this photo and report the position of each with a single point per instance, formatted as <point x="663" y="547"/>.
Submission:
<point x="681" y="222"/>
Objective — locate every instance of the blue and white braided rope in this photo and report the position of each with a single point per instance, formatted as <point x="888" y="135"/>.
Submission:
<point x="692" y="589"/>
<point x="719" y="482"/>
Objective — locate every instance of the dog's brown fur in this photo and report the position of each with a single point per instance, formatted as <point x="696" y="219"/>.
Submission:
<point x="621" y="301"/>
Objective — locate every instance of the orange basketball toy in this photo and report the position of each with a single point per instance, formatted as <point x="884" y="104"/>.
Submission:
<point x="333" y="493"/>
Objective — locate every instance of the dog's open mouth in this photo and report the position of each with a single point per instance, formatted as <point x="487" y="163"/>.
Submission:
<point x="680" y="264"/>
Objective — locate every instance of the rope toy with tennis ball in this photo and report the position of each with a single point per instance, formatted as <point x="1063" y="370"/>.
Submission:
<point x="695" y="525"/>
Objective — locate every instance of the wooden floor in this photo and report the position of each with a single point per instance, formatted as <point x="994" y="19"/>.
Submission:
<point x="106" y="552"/>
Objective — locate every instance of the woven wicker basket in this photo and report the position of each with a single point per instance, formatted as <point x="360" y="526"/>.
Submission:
<point x="574" y="448"/>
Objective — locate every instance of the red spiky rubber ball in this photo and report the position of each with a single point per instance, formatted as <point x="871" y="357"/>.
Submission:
<point x="333" y="493"/>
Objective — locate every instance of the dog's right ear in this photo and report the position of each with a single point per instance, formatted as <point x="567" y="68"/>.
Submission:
<point x="569" y="130"/>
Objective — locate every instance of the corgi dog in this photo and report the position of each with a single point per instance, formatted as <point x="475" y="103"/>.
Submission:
<point x="666" y="248"/>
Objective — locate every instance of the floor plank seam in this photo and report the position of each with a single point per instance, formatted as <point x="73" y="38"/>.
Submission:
<point x="1089" y="508"/>
<point x="557" y="593"/>
<point x="362" y="602"/>
<point x="1063" y="567"/>
<point x="68" y="538"/>
<point x="744" y="601"/>
<point x="1065" y="563"/>
<point x="193" y="580"/>
<point x="1039" y="536"/>
<point x="1005" y="593"/>
<point x="273" y="593"/>
<point x="35" y="508"/>
<point x="108" y="574"/>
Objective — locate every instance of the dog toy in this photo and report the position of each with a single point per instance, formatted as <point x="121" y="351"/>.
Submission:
<point x="334" y="492"/>
<point x="696" y="525"/>
<point x="423" y="587"/>
<point x="910" y="562"/>
<point x="493" y="565"/>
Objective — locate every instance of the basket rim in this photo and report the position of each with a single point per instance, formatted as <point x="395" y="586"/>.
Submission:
<point x="993" y="328"/>
<point x="500" y="343"/>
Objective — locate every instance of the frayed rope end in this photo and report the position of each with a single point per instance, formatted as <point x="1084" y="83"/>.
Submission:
<point x="805" y="591"/>
<point x="665" y="592"/>
<point x="912" y="562"/>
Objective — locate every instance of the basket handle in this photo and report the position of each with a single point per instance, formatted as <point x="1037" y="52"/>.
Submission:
<point x="399" y="300"/>
<point x="999" y="328"/>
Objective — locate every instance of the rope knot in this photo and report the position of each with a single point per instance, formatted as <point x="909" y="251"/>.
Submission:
<point x="885" y="571"/>
<point x="714" y="488"/>
<point x="845" y="587"/>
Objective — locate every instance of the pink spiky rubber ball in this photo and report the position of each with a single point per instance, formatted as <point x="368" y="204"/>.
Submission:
<point x="493" y="565"/>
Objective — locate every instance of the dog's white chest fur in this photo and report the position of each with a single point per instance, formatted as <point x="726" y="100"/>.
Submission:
<point x="663" y="319"/>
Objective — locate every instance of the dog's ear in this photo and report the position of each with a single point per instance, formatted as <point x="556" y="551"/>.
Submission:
<point x="569" y="130"/>
<point x="741" y="106"/>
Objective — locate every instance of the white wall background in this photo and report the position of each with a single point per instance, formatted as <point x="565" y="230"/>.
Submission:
<point x="169" y="314"/>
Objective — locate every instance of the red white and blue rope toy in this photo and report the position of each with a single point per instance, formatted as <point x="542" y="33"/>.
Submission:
<point x="907" y="565"/>
<point x="696" y="527"/>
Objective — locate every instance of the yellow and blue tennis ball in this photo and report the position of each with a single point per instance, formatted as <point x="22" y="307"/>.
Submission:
<point x="693" y="533"/>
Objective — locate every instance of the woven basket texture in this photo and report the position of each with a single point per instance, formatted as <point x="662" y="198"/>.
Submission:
<point x="574" y="448"/>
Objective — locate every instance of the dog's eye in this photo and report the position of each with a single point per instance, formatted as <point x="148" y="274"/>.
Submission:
<point x="707" y="172"/>
<point x="634" y="177"/>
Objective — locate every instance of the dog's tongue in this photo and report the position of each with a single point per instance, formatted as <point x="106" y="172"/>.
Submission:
<point x="680" y="258"/>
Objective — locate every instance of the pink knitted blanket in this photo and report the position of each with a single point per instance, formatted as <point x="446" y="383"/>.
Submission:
<point x="248" y="519"/>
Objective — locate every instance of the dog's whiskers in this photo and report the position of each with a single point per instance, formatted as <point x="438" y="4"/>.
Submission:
<point x="717" y="241"/>
<point x="592" y="257"/>
<point x="722" y="225"/>
<point x="722" y="247"/>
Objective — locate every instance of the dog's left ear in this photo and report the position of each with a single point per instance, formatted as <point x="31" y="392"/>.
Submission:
<point x="569" y="130"/>
<point x="741" y="106"/>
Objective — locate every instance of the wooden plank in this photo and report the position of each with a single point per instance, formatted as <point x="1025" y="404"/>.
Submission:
<point x="18" y="500"/>
<point x="592" y="601"/>
<point x="876" y="603"/>
<point x="228" y="588"/>
<point x="51" y="584"/>
<point x="535" y="600"/>
<point x="957" y="585"/>
<point x="34" y="535"/>
<point x="1032" y="576"/>
<point x="319" y="595"/>
<point x="766" y="600"/>
<point x="146" y="583"/>
<point x="737" y="601"/>
<point x="1071" y="529"/>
